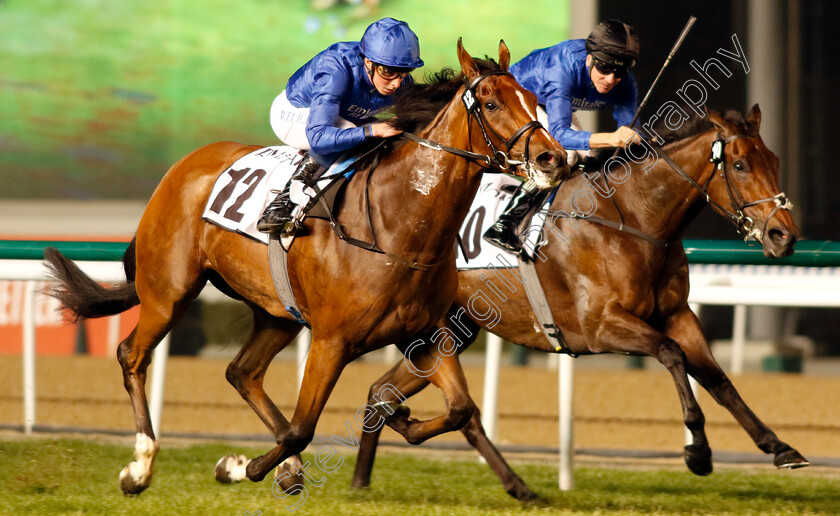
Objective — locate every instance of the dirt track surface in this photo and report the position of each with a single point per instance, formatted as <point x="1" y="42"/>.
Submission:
<point x="613" y="409"/>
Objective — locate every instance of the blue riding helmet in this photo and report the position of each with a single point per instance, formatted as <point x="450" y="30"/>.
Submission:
<point x="391" y="42"/>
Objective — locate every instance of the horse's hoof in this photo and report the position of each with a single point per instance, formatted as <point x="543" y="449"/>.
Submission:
<point x="790" y="459"/>
<point x="521" y="492"/>
<point x="698" y="459"/>
<point x="400" y="412"/>
<point x="288" y="474"/>
<point x="254" y="469"/>
<point x="231" y="468"/>
<point x="129" y="485"/>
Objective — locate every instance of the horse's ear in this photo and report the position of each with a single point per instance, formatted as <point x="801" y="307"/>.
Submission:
<point x="504" y="55"/>
<point x="468" y="65"/>
<point x="754" y="118"/>
<point x="717" y="121"/>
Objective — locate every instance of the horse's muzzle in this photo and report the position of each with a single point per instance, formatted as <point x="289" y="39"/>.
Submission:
<point x="778" y="242"/>
<point x="550" y="168"/>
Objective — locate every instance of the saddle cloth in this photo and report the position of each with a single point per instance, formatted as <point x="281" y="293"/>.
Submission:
<point x="492" y="198"/>
<point x="242" y="192"/>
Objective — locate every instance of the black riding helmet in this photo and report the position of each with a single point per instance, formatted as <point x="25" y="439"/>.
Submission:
<point x="614" y="43"/>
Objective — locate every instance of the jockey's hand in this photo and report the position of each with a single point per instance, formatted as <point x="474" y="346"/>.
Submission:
<point x="384" y="130"/>
<point x="625" y="136"/>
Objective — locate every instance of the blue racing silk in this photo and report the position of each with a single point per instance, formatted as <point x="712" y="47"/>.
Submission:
<point x="334" y="84"/>
<point x="558" y="77"/>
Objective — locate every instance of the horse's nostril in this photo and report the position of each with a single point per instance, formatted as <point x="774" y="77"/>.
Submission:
<point x="781" y="237"/>
<point x="549" y="160"/>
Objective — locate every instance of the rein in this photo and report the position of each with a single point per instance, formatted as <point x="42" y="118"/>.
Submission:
<point x="743" y="223"/>
<point x="499" y="159"/>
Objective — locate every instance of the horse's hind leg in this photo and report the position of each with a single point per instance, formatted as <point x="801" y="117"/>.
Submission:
<point x="618" y="330"/>
<point x="685" y="329"/>
<point x="134" y="355"/>
<point x="246" y="373"/>
<point x="165" y="293"/>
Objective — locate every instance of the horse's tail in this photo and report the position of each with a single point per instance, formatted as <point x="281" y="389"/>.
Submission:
<point x="84" y="297"/>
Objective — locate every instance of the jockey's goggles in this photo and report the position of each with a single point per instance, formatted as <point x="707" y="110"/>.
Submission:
<point x="389" y="73"/>
<point x="604" y="68"/>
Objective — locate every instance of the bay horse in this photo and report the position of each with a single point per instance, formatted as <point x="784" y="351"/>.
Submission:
<point x="355" y="300"/>
<point x="612" y="291"/>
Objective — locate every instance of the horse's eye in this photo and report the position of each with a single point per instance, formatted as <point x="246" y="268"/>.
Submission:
<point x="489" y="106"/>
<point x="740" y="166"/>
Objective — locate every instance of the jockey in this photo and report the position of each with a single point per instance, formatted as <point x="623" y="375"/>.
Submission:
<point x="327" y="102"/>
<point x="575" y="74"/>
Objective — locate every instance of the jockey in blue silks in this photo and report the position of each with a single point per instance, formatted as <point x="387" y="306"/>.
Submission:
<point x="328" y="101"/>
<point x="575" y="74"/>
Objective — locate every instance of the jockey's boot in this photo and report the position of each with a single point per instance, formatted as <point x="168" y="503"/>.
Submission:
<point x="279" y="212"/>
<point x="503" y="232"/>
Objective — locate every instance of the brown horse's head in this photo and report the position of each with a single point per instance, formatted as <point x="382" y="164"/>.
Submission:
<point x="509" y="115"/>
<point x="750" y="183"/>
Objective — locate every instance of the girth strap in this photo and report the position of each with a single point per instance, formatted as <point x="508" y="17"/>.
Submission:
<point x="539" y="304"/>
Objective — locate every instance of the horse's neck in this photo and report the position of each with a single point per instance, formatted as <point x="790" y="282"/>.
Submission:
<point x="660" y="201"/>
<point x="427" y="192"/>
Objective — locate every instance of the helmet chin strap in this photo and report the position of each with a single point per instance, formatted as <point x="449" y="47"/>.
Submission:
<point x="370" y="72"/>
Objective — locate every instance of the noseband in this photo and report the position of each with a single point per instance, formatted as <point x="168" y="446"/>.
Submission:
<point x="499" y="159"/>
<point x="744" y="224"/>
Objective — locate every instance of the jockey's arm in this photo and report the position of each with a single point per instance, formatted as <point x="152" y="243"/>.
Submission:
<point x="623" y="112"/>
<point x="324" y="137"/>
<point x="618" y="138"/>
<point x="559" y="110"/>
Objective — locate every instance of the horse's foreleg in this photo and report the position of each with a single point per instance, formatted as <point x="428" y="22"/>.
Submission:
<point x="394" y="387"/>
<point x="514" y="486"/>
<point x="246" y="373"/>
<point x="444" y="371"/>
<point x="685" y="329"/>
<point x="323" y="366"/>
<point x="620" y="331"/>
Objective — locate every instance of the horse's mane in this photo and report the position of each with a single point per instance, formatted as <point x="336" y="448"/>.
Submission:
<point x="696" y="125"/>
<point x="691" y="127"/>
<point x="416" y="106"/>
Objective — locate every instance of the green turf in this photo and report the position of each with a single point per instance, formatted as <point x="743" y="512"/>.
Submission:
<point x="98" y="98"/>
<point x="61" y="476"/>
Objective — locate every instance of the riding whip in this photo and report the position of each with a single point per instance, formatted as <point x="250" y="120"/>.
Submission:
<point x="671" y="54"/>
<point x="683" y="34"/>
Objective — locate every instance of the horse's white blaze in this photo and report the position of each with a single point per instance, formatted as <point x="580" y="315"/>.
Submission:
<point x="542" y="179"/>
<point x="525" y="105"/>
<point x="145" y="450"/>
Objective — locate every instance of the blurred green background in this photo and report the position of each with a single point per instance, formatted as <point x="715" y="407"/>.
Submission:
<point x="98" y="98"/>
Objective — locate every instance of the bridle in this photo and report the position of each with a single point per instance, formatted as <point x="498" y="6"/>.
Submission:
<point x="499" y="159"/>
<point x="744" y="224"/>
